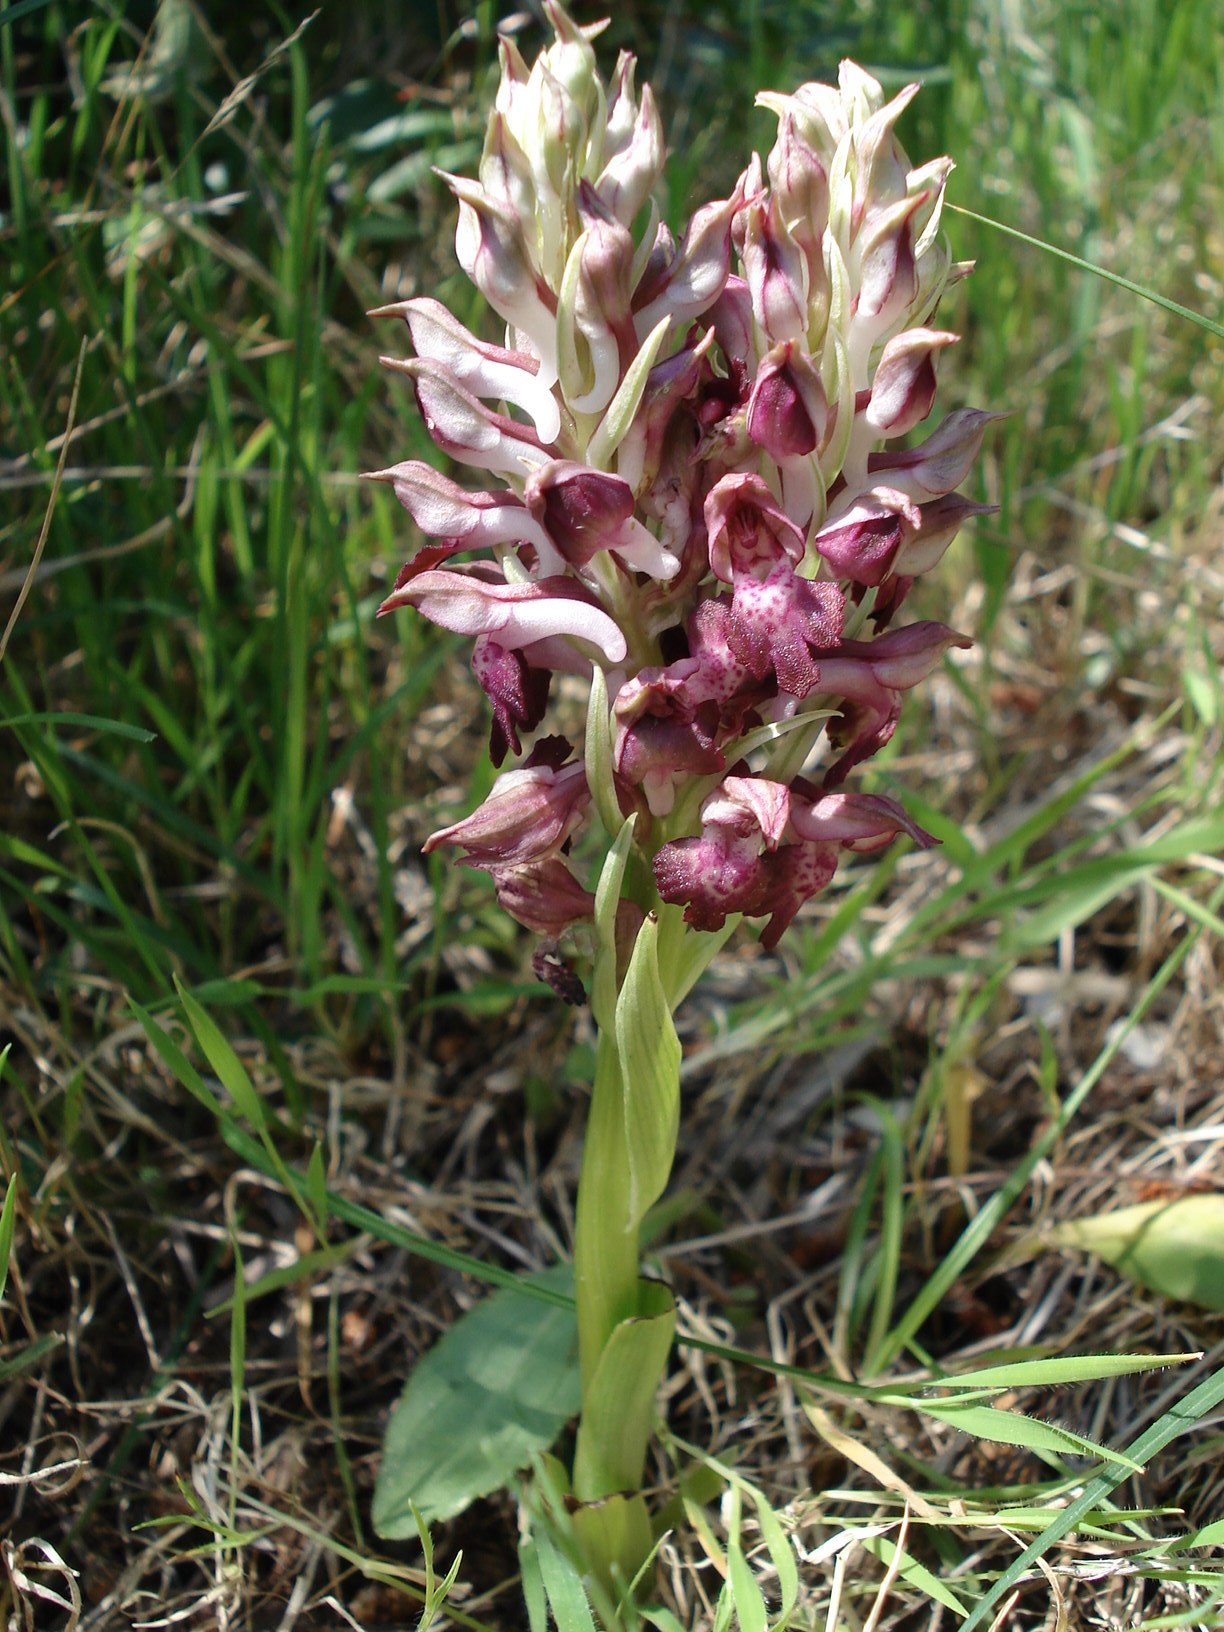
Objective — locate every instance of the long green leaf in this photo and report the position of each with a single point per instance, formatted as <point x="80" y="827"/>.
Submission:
<point x="19" y="9"/>
<point x="915" y="1574"/>
<point x="1052" y="1373"/>
<point x="496" y="1389"/>
<point x="92" y="722"/>
<point x="29" y="1356"/>
<point x="1013" y="1428"/>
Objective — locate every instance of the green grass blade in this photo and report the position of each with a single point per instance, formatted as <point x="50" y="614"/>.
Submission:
<point x="8" y="1228"/>
<point x="1052" y="1373"/>
<point x="1200" y="1400"/>
<point x="979" y="1230"/>
<point x="1081" y="265"/>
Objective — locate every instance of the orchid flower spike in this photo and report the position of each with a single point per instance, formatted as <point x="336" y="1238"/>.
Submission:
<point x="694" y="485"/>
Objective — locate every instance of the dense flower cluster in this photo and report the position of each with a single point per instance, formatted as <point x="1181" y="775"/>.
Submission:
<point x="697" y="493"/>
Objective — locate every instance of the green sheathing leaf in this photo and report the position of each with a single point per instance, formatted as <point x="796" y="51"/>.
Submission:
<point x="650" y="1064"/>
<point x="605" y="1248"/>
<point x="492" y="1393"/>
<point x="607" y="899"/>
<point x="615" y="1537"/>
<point x="618" y="1410"/>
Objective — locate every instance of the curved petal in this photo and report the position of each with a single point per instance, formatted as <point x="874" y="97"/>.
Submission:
<point x="486" y="371"/>
<point x="517" y="614"/>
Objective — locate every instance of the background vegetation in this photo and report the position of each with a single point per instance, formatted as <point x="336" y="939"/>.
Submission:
<point x="216" y="772"/>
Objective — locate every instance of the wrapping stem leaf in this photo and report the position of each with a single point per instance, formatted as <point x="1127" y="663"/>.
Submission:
<point x="605" y="1240"/>
<point x="618" y="1410"/>
<point x="649" y="1052"/>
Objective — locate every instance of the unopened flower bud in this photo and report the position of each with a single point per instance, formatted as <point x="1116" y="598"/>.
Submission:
<point x="491" y="249"/>
<point x="788" y="410"/>
<point x="777" y="273"/>
<point x="634" y="149"/>
<point x="903" y="386"/>
<point x="694" y="279"/>
<point x="527" y="816"/>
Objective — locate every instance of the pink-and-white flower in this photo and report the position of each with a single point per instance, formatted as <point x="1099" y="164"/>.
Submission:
<point x="694" y="484"/>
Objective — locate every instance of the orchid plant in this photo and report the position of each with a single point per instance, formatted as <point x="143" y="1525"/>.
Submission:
<point x="692" y="498"/>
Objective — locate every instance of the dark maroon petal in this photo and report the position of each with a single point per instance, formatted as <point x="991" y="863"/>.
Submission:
<point x="861" y="730"/>
<point x="549" y="751"/>
<point x="425" y="559"/>
<point x="518" y="692"/>
<point x="794" y="874"/>
<point x="862" y="550"/>
<point x="786" y="411"/>
<point x="548" y="965"/>
<point x="660" y="735"/>
<point x="581" y="509"/>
